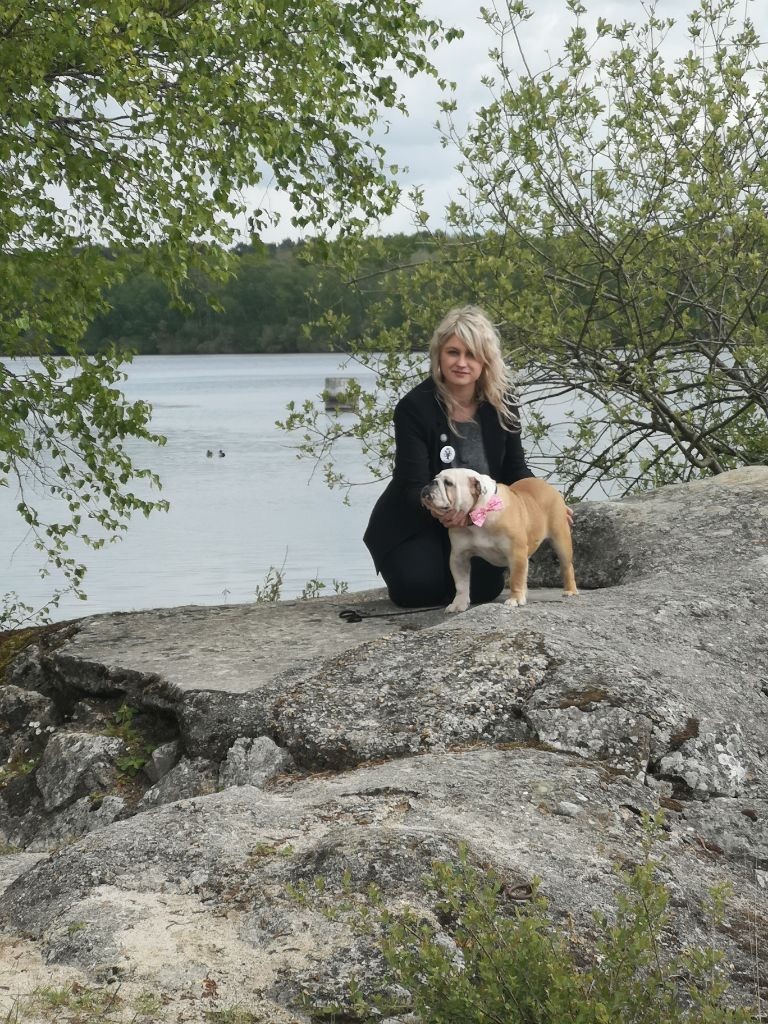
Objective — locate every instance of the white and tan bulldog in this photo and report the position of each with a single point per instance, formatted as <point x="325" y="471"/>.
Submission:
<point x="507" y="526"/>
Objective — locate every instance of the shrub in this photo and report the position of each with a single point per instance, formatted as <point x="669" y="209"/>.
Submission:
<point x="482" y="961"/>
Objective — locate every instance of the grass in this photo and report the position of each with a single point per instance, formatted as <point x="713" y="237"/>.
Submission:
<point x="233" y="1015"/>
<point x="75" y="1003"/>
<point x="17" y="769"/>
<point x="150" y="1005"/>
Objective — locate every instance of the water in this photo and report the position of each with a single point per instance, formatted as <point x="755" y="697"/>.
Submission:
<point x="231" y="518"/>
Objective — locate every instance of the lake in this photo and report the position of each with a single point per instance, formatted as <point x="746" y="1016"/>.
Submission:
<point x="234" y="517"/>
<point x="231" y="517"/>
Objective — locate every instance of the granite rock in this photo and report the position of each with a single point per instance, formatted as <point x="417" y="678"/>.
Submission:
<point x="253" y="762"/>
<point x="162" y="760"/>
<point x="76" y="764"/>
<point x="236" y="856"/>
<point x="27" y="719"/>
<point x="190" y="777"/>
<point x="539" y="736"/>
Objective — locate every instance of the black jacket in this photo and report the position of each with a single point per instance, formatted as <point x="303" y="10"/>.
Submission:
<point x="421" y="432"/>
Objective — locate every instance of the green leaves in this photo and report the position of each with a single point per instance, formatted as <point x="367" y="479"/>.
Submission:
<point x="478" y="957"/>
<point x="134" y="131"/>
<point x="612" y="220"/>
<point x="478" y="946"/>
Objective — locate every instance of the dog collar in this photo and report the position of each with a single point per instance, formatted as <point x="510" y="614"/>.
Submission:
<point x="478" y="515"/>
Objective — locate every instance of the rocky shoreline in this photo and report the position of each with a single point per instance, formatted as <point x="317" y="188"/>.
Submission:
<point x="169" y="778"/>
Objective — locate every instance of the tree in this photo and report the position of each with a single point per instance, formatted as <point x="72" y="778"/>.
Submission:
<point x="613" y="222"/>
<point x="136" y="129"/>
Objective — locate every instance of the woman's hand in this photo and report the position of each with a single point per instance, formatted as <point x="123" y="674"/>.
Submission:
<point x="452" y="518"/>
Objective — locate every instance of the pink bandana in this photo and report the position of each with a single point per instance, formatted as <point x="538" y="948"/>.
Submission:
<point x="477" y="515"/>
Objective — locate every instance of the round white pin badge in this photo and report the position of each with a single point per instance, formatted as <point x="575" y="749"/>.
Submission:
<point x="447" y="454"/>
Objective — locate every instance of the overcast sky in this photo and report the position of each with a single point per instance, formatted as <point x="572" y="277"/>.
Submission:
<point x="415" y="143"/>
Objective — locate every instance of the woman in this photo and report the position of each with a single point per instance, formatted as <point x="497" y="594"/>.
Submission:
<point x="461" y="416"/>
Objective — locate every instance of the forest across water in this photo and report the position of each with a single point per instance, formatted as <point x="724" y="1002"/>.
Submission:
<point x="272" y="302"/>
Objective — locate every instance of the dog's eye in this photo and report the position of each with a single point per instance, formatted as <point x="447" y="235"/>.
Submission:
<point x="449" y="483"/>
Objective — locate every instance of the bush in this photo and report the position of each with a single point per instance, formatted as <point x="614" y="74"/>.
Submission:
<point x="482" y="961"/>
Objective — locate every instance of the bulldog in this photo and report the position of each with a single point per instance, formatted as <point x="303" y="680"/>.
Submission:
<point x="507" y="524"/>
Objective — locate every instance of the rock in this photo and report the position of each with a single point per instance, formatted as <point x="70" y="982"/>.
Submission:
<point x="231" y="860"/>
<point x="659" y="535"/>
<point x="22" y="709"/>
<point x="85" y="815"/>
<point x="12" y="865"/>
<point x="538" y="736"/>
<point x="30" y="670"/>
<point x="617" y="736"/>
<point x="253" y="762"/>
<point x="568" y="809"/>
<point x="93" y="715"/>
<point x="211" y="720"/>
<point x="27" y="719"/>
<point x="205" y="666"/>
<point x="187" y="778"/>
<point x="75" y="765"/>
<point x="162" y="760"/>
<point x="394" y="697"/>
<point x="25" y="823"/>
<point x="729" y="828"/>
<point x="711" y="764"/>
<point x="19" y="798"/>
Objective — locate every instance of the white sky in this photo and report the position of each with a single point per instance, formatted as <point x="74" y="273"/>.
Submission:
<point x="414" y="142"/>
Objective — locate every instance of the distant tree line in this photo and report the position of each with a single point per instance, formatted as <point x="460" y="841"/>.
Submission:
<point x="273" y="302"/>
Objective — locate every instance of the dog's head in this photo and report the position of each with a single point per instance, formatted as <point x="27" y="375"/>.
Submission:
<point x="457" y="490"/>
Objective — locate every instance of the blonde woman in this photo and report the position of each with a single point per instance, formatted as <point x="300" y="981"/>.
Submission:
<point x="463" y="415"/>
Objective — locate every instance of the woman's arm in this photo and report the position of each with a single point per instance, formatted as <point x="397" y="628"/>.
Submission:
<point x="412" y="470"/>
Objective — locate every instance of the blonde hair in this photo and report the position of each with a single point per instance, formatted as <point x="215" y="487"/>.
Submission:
<point x="495" y="384"/>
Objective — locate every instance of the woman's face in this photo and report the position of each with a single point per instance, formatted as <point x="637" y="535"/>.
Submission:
<point x="457" y="366"/>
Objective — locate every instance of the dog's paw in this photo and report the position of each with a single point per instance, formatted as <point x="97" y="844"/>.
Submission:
<point x="571" y="593"/>
<point x="457" y="606"/>
<point x="511" y="602"/>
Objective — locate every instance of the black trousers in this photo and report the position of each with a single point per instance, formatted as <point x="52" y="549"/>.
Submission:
<point x="417" y="572"/>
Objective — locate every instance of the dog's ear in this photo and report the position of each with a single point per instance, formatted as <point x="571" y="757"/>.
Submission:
<point x="475" y="487"/>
